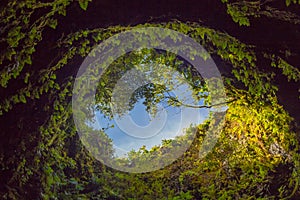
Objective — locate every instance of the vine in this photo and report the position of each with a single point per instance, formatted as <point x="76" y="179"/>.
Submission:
<point x="257" y="138"/>
<point x="242" y="11"/>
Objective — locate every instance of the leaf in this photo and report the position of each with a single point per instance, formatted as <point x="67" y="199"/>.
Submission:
<point x="53" y="76"/>
<point x="287" y="2"/>
<point x="36" y="94"/>
<point x="83" y="4"/>
<point x="22" y="98"/>
<point x="26" y="78"/>
<point x="52" y="23"/>
<point x="27" y="93"/>
<point x="224" y="45"/>
<point x="28" y="60"/>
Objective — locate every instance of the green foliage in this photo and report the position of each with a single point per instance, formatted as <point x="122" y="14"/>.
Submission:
<point x="257" y="140"/>
<point x="291" y="72"/>
<point x="20" y="34"/>
<point x="242" y="11"/>
<point x="84" y="4"/>
<point x="288" y="2"/>
<point x="237" y="15"/>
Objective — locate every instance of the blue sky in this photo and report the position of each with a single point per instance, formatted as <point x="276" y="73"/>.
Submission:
<point x="140" y="129"/>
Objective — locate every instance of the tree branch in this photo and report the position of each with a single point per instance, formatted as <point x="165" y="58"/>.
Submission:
<point x="198" y="106"/>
